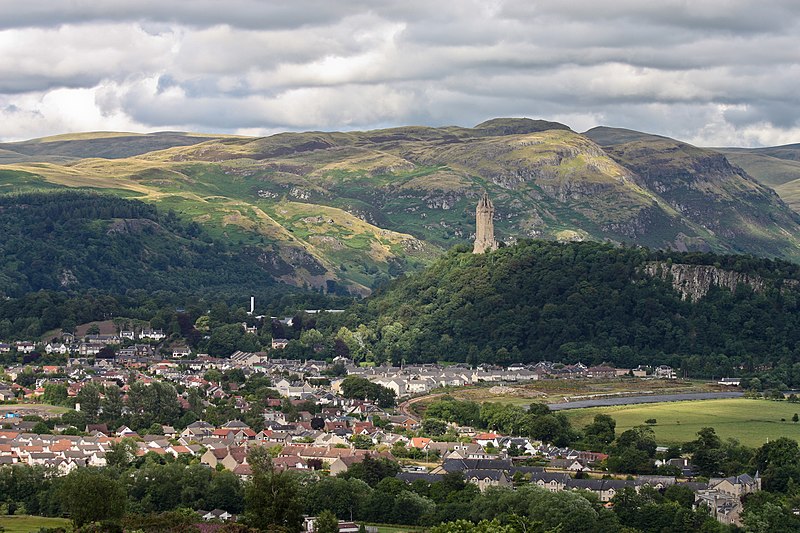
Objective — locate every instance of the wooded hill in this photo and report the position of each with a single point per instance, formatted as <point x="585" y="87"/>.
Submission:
<point x="78" y="241"/>
<point x="586" y="302"/>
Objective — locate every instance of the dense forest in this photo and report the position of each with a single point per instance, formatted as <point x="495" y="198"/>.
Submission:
<point x="586" y="302"/>
<point x="77" y="241"/>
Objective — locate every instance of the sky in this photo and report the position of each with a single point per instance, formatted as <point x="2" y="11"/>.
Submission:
<point x="710" y="72"/>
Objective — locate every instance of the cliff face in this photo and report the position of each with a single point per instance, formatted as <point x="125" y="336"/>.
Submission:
<point x="694" y="281"/>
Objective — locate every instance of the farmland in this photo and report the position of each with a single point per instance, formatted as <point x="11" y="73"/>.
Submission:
<point x="752" y="422"/>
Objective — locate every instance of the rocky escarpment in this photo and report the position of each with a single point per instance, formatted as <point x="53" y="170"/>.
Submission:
<point x="694" y="281"/>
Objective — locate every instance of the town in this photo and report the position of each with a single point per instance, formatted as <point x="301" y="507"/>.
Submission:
<point x="315" y="416"/>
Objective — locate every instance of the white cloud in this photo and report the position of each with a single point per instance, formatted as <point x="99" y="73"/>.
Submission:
<point x="713" y="72"/>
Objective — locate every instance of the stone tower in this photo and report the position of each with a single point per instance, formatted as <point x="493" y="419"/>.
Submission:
<point x="484" y="227"/>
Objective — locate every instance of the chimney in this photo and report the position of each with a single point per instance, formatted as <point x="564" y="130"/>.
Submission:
<point x="252" y="304"/>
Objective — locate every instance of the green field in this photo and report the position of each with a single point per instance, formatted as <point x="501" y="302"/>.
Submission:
<point x="31" y="524"/>
<point x="752" y="422"/>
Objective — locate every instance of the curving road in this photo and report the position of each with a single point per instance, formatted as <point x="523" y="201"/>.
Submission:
<point x="653" y="398"/>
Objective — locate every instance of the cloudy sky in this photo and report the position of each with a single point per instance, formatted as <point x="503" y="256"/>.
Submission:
<point x="713" y="72"/>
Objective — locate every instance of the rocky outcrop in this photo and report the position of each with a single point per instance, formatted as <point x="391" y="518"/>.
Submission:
<point x="694" y="281"/>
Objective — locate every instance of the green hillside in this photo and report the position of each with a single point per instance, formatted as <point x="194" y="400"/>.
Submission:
<point x="358" y="208"/>
<point x="586" y="302"/>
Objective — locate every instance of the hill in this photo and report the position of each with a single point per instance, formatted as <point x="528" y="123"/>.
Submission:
<point x="108" y="145"/>
<point x="75" y="241"/>
<point x="355" y="209"/>
<point x="589" y="302"/>
<point x="777" y="167"/>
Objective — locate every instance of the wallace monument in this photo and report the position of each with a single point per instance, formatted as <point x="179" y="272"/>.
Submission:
<point x="484" y="227"/>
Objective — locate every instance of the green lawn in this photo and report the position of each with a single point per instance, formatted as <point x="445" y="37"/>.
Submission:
<point x="752" y="422"/>
<point x="31" y="524"/>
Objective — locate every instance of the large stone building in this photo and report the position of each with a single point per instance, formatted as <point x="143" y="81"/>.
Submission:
<point x="484" y="227"/>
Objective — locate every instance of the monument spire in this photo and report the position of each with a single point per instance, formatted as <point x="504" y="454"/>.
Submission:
<point x="484" y="227"/>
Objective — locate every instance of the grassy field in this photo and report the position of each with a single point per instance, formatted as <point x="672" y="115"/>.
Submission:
<point x="31" y="524"/>
<point x="752" y="422"/>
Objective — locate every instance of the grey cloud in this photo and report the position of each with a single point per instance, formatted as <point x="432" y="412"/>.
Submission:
<point x="716" y="69"/>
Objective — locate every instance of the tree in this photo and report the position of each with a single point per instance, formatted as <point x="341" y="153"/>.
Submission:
<point x="465" y="526"/>
<point x="356" y="387"/>
<point x="707" y="452"/>
<point x="434" y="427"/>
<point x="55" y="394"/>
<point x="112" y="405"/>
<point x="326" y="522"/>
<point x="600" y="432"/>
<point x="272" y="499"/>
<point x="89" y="400"/>
<point x="361" y="442"/>
<point x="89" y="495"/>
<point x="372" y="471"/>
<point x="156" y="402"/>
<point x="225" y="492"/>
<point x="122" y="453"/>
<point x="779" y="462"/>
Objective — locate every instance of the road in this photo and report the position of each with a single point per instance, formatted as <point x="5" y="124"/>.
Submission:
<point x="654" y="398"/>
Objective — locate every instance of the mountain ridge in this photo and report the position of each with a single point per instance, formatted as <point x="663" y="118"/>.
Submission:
<point x="358" y="208"/>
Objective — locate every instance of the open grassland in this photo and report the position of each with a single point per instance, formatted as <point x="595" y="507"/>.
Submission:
<point x="752" y="422"/>
<point x="31" y="524"/>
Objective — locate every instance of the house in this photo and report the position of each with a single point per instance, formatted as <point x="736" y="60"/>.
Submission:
<point x="603" y="371"/>
<point x="90" y="348"/>
<point x="420" y="443"/>
<point x="342" y="464"/>
<point x="664" y="372"/>
<point x="279" y="344"/>
<point x="127" y="334"/>
<point x="487" y="478"/>
<point x="403" y="421"/>
<point x="25" y="346"/>
<point x="605" y="489"/>
<point x="59" y="348"/>
<point x="485" y="439"/>
<point x="572" y="465"/>
<point x="218" y="514"/>
<point x="181" y="351"/>
<point x="730" y="382"/>
<point x="309" y="526"/>
<point x="152" y="334"/>
<point x="394" y="384"/>
<point x="736" y="485"/>
<point x="552" y="481"/>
